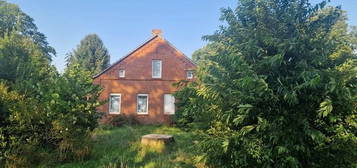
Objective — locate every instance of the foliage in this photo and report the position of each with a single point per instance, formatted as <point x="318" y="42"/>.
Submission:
<point x="119" y="120"/>
<point x="22" y="61"/>
<point x="43" y="114"/>
<point x="13" y="19"/>
<point x="24" y="69"/>
<point x="281" y="87"/>
<point x="354" y="38"/>
<point x="60" y="120"/>
<point x="71" y="103"/>
<point x="194" y="115"/>
<point x="90" y="54"/>
<point x="13" y="147"/>
<point x="208" y="50"/>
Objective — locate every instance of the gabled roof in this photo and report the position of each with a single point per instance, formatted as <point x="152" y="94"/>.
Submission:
<point x="139" y="47"/>
<point x="127" y="55"/>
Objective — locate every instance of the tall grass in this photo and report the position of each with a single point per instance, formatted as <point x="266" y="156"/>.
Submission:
<point x="121" y="148"/>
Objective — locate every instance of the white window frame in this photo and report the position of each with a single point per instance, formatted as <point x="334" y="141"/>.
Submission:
<point x="147" y="104"/>
<point x="169" y="113"/>
<point x="121" y="75"/>
<point x="110" y="102"/>
<point x="187" y="74"/>
<point x="152" y="68"/>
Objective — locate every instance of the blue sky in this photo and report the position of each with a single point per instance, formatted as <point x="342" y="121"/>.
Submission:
<point x="124" y="24"/>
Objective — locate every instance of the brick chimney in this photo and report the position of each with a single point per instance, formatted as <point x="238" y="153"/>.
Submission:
<point x="156" y="32"/>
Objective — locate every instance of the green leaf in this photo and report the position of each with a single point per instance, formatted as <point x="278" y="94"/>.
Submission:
<point x="225" y="145"/>
<point x="246" y="129"/>
<point x="325" y="108"/>
<point x="282" y="149"/>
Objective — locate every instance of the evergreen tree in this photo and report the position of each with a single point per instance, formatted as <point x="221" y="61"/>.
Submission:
<point x="281" y="90"/>
<point x="91" y="55"/>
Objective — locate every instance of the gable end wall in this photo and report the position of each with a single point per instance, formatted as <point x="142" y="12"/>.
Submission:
<point x="138" y="79"/>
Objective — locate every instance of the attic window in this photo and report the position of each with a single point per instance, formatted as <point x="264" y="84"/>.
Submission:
<point x="189" y="74"/>
<point x="156" y="68"/>
<point x="121" y="73"/>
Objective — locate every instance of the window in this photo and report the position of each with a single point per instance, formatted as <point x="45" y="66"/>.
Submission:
<point x="156" y="68"/>
<point x="189" y="74"/>
<point x="142" y="104"/>
<point x="114" y="103"/>
<point x="169" y="104"/>
<point x="121" y="73"/>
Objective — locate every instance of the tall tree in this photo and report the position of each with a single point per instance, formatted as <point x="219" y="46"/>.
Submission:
<point x="90" y="54"/>
<point x="22" y="62"/>
<point x="13" y="19"/>
<point x="281" y="92"/>
<point x="40" y="110"/>
<point x="354" y="38"/>
<point x="208" y="50"/>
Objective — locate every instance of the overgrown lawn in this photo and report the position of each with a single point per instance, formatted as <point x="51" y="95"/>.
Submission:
<point x="120" y="148"/>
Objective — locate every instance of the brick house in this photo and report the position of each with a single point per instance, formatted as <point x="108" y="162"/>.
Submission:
<point x="140" y="83"/>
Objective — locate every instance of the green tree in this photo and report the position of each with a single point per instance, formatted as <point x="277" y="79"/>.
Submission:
<point x="22" y="61"/>
<point x="281" y="89"/>
<point x="208" y="50"/>
<point x="354" y="38"/>
<point x="42" y="113"/>
<point x="25" y="55"/>
<point x="41" y="110"/>
<point x="91" y="55"/>
<point x="13" y="19"/>
<point x="71" y="102"/>
<point x="59" y="120"/>
<point x="193" y="113"/>
<point x="12" y="146"/>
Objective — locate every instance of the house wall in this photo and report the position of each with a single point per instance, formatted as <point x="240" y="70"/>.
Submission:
<point x="138" y="80"/>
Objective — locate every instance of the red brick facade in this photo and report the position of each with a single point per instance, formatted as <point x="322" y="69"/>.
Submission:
<point x="138" y="78"/>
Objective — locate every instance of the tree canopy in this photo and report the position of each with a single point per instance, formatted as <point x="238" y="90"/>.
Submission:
<point x="90" y="54"/>
<point x="42" y="113"/>
<point x="202" y="53"/>
<point x="13" y="19"/>
<point x="280" y="91"/>
<point x="354" y="38"/>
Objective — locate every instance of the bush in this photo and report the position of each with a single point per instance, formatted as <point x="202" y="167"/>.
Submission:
<point x="281" y="88"/>
<point x="119" y="120"/>
<point x="42" y="113"/>
<point x="59" y="121"/>
<point x="191" y="112"/>
<point x="72" y="102"/>
<point x="18" y="137"/>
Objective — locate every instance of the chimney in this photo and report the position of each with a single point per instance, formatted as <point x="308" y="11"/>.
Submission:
<point x="156" y="32"/>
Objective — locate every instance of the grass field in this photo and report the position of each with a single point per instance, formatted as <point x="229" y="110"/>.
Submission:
<point x="120" y="148"/>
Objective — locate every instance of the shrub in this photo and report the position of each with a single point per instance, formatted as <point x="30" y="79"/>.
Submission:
<point x="60" y="120"/>
<point x="281" y="89"/>
<point x="17" y="137"/>
<point x="191" y="112"/>
<point x="119" y="120"/>
<point x="72" y="102"/>
<point x="41" y="111"/>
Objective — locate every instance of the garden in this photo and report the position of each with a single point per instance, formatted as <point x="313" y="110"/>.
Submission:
<point x="275" y="86"/>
